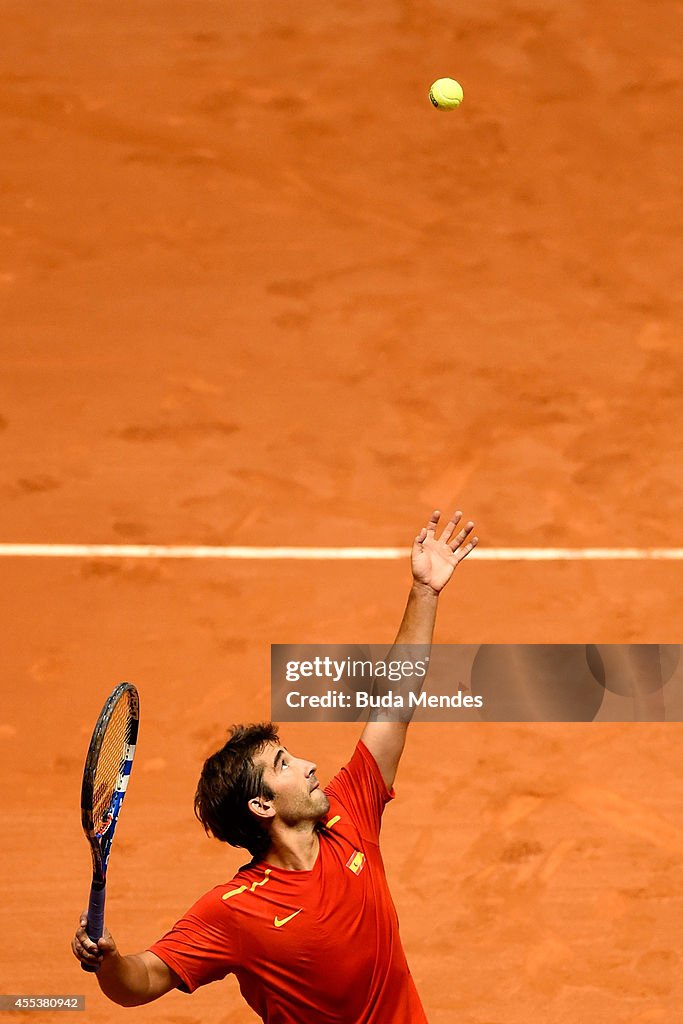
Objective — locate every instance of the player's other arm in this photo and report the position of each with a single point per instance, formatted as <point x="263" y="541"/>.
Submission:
<point x="127" y="980"/>
<point x="433" y="561"/>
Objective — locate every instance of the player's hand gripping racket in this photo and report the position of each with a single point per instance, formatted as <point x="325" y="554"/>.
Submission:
<point x="105" y="778"/>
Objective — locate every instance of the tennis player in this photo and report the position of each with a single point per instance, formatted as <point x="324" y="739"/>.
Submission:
<point x="308" y="926"/>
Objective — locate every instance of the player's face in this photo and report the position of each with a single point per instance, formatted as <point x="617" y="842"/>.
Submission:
<point x="298" y="793"/>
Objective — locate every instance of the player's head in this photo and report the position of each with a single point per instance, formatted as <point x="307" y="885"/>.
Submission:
<point x="253" y="781"/>
<point x="297" y="797"/>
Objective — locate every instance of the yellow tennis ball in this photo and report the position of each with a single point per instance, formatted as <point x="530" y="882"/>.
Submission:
<point x="446" y="94"/>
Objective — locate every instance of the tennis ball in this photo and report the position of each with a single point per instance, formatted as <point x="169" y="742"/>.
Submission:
<point x="446" y="94"/>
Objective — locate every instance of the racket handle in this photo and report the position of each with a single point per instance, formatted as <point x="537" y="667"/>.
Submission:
<point x="95" y="925"/>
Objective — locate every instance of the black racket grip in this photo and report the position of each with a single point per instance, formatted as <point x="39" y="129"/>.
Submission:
<point x="95" y="925"/>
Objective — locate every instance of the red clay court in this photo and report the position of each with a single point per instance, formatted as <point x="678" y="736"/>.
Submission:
<point x="257" y="291"/>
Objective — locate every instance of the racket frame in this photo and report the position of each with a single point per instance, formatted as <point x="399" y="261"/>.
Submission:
<point x="100" y="835"/>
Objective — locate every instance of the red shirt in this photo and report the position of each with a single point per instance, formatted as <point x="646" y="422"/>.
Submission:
<point x="309" y="947"/>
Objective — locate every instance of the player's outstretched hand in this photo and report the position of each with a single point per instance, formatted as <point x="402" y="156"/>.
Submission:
<point x="433" y="559"/>
<point x="85" y="950"/>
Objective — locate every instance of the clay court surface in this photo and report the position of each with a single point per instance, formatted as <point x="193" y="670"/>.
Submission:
<point x="257" y="291"/>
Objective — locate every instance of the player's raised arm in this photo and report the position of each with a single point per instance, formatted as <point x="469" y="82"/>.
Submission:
<point x="433" y="561"/>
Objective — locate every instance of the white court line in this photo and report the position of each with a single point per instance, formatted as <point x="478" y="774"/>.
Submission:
<point x="327" y="554"/>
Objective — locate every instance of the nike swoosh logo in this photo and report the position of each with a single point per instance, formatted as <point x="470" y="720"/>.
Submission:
<point x="279" y="921"/>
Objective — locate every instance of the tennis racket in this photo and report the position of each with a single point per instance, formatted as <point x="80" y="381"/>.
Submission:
<point x="105" y="779"/>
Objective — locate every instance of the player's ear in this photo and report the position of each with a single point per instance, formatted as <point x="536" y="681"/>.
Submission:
<point x="261" y="808"/>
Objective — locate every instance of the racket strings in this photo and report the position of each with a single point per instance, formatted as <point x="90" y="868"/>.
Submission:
<point x="112" y="757"/>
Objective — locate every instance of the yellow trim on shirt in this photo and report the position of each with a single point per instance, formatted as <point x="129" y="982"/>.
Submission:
<point x="247" y="888"/>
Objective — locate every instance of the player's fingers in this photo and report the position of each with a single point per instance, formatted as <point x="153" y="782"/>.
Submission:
<point x="106" y="944"/>
<point x="94" y="961"/>
<point x="422" y="536"/>
<point x="88" y="954"/>
<point x="450" y="526"/>
<point x="434" y="521"/>
<point x="460" y="537"/>
<point x="90" y="948"/>
<point x="87" y="949"/>
<point x="464" y="551"/>
<point x="84" y="941"/>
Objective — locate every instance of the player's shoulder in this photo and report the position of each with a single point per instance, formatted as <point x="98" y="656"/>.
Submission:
<point x="360" y="772"/>
<point x="244" y="878"/>
<point x="249" y="878"/>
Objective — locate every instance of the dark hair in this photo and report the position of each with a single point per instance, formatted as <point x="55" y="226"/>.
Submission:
<point x="229" y="779"/>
